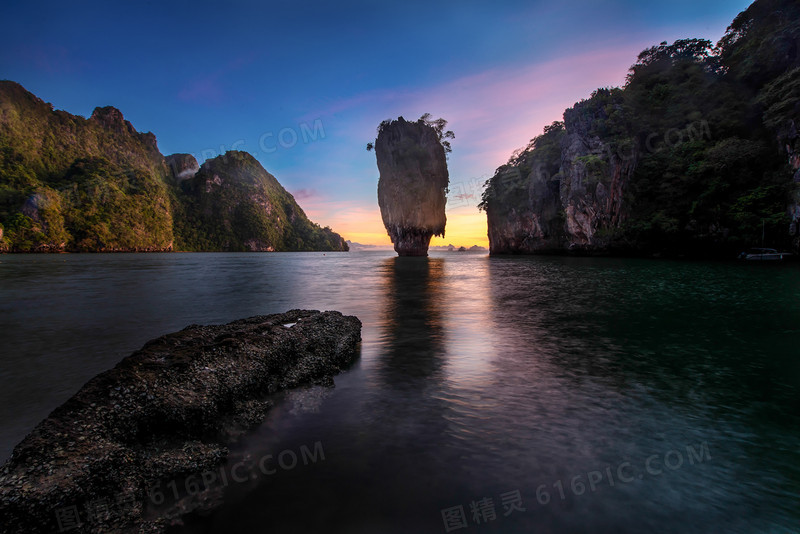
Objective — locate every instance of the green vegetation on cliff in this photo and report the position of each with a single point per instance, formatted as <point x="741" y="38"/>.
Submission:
<point x="74" y="184"/>
<point x="689" y="157"/>
<point x="233" y="204"/>
<point x="69" y="183"/>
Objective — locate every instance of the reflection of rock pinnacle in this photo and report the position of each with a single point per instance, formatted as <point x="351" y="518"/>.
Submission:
<point x="412" y="185"/>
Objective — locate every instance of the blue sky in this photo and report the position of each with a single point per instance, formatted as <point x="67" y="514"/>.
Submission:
<point x="303" y="85"/>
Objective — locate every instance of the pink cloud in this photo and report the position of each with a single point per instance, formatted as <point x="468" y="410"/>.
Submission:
<point x="209" y="88"/>
<point x="303" y="194"/>
<point x="55" y="59"/>
<point x="495" y="111"/>
<point x="202" y="90"/>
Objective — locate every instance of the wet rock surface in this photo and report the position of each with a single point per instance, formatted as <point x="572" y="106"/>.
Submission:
<point x="166" y="411"/>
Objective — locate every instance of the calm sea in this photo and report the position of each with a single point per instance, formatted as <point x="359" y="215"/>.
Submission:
<point x="492" y="395"/>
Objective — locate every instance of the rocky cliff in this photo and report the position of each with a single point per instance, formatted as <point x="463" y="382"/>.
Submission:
<point x="73" y="184"/>
<point x="682" y="160"/>
<point x="231" y="203"/>
<point x="413" y="183"/>
<point x="182" y="166"/>
<point x="794" y="206"/>
<point x="563" y="192"/>
<point x="781" y="102"/>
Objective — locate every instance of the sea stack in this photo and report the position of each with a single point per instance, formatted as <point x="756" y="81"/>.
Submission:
<point x="412" y="189"/>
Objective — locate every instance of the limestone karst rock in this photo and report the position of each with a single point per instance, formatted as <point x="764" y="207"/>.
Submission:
<point x="182" y="166"/>
<point x="661" y="167"/>
<point x="71" y="184"/>
<point x="413" y="182"/>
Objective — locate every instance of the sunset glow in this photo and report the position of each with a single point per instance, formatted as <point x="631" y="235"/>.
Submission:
<point x="310" y="130"/>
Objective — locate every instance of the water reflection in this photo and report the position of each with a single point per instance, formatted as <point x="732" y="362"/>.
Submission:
<point x="478" y="376"/>
<point x="412" y="329"/>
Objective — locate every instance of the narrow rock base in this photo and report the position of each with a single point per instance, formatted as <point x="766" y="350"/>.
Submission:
<point x="412" y="243"/>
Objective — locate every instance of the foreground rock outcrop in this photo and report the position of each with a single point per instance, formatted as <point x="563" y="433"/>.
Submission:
<point x="412" y="190"/>
<point x="163" y="413"/>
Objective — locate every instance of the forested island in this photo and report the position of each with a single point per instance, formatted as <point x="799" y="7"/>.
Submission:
<point x="697" y="155"/>
<point x="70" y="184"/>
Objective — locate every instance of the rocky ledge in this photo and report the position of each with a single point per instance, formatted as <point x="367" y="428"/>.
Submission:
<point x="162" y="413"/>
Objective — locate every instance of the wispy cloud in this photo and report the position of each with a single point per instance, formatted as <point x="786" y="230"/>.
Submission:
<point x="209" y="88"/>
<point x="495" y="111"/>
<point x="492" y="112"/>
<point x="304" y="194"/>
<point x="52" y="59"/>
<point x="206" y="90"/>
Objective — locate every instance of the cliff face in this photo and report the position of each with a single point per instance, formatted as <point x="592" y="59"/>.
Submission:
<point x="525" y="214"/>
<point x="781" y="102"/>
<point x="594" y="179"/>
<point x="564" y="192"/>
<point x="793" y="150"/>
<point x="74" y="184"/>
<point x="70" y="183"/>
<point x="680" y="161"/>
<point x="182" y="166"/>
<point x="233" y="204"/>
<point x="412" y="186"/>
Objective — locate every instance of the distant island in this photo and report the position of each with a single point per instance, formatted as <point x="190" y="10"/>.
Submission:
<point x="453" y="248"/>
<point x="358" y="247"/>
<point x="697" y="155"/>
<point x="70" y="184"/>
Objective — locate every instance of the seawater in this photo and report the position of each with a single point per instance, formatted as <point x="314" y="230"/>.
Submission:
<point x="506" y="394"/>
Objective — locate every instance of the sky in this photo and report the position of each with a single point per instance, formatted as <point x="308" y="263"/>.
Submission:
<point x="303" y="85"/>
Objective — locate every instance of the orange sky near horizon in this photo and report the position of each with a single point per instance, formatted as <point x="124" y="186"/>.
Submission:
<point x="493" y="112"/>
<point x="515" y="105"/>
<point x="465" y="226"/>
